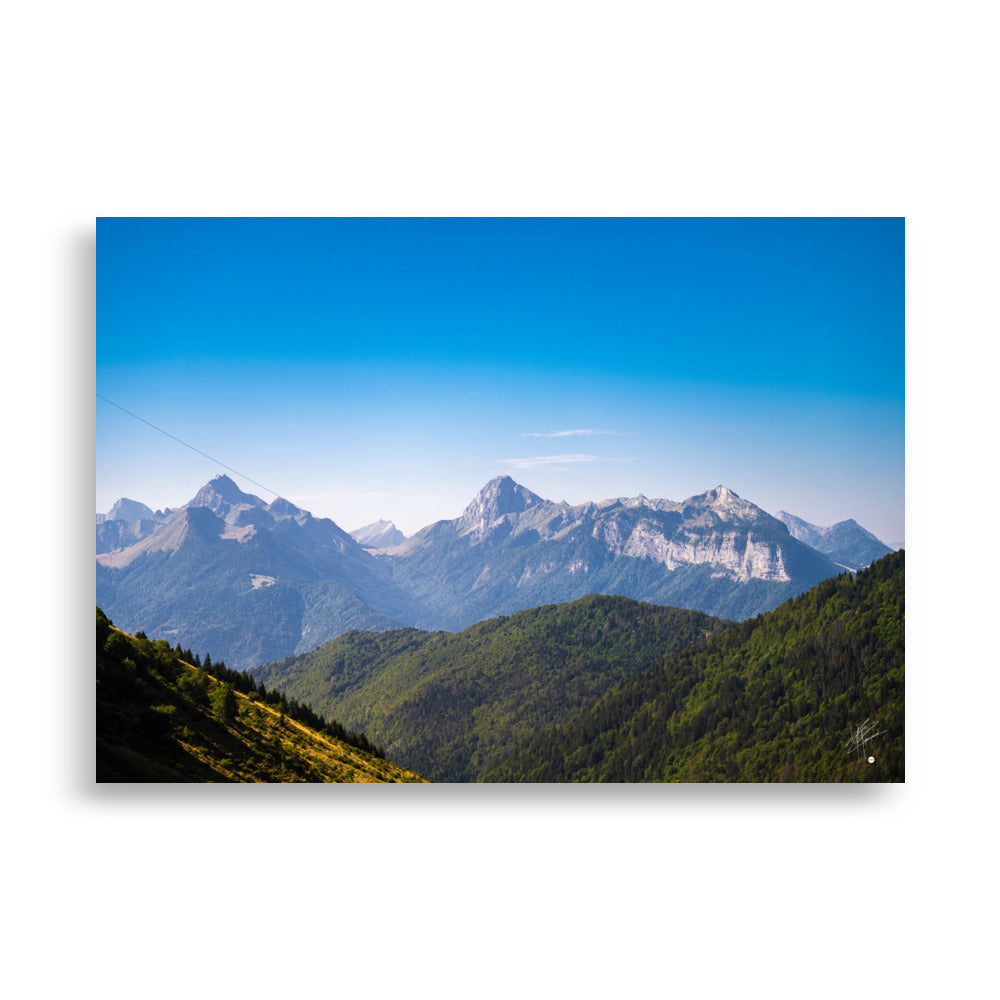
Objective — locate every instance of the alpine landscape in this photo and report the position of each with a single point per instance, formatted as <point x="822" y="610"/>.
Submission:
<point x="536" y="618"/>
<point x="516" y="433"/>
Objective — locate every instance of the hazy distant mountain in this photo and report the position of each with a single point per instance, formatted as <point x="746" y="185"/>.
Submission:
<point x="113" y="535"/>
<point x="126" y="510"/>
<point x="126" y="523"/>
<point x="247" y="580"/>
<point x="378" y="535"/>
<point x="511" y="549"/>
<point x="845" y="542"/>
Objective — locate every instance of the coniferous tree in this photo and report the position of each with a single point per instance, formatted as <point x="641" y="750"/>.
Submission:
<point x="224" y="702"/>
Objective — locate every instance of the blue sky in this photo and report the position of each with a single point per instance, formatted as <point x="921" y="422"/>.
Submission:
<point x="369" y="368"/>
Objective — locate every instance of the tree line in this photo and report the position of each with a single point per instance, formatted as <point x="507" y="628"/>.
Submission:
<point x="238" y="680"/>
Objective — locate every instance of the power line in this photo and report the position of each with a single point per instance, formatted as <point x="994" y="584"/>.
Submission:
<point x="242" y="475"/>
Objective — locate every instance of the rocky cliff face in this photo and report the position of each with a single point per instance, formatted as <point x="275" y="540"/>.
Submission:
<point x="716" y="529"/>
<point x="491" y="505"/>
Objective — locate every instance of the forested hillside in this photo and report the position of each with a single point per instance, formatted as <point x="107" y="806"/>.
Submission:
<point x="164" y="716"/>
<point x="451" y="705"/>
<point x="776" y="698"/>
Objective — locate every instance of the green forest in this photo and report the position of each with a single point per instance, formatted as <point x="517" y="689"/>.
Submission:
<point x="775" y="698"/>
<point x="452" y="705"/>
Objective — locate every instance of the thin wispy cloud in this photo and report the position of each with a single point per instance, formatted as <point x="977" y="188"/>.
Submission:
<point x="574" y="433"/>
<point x="534" y="461"/>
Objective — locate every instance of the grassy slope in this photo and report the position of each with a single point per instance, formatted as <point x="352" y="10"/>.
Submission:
<point x="155" y="723"/>
<point x="451" y="705"/>
<point x="771" y="700"/>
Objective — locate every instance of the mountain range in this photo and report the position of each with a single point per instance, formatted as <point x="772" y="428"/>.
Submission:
<point x="255" y="582"/>
<point x="249" y="580"/>
<point x="511" y="549"/>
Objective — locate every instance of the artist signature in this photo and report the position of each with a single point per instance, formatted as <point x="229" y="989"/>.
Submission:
<point x="861" y="736"/>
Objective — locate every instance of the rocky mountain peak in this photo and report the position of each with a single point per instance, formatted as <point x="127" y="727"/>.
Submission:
<point x="498" y="497"/>
<point x="720" y="498"/>
<point x="722" y="494"/>
<point x="729" y="507"/>
<point x="221" y="494"/>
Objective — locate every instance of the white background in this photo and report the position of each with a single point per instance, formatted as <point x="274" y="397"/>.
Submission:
<point x="530" y="109"/>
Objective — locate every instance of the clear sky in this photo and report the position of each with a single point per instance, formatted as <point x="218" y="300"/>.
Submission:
<point x="368" y="368"/>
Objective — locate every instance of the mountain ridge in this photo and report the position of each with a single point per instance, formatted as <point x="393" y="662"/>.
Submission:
<point x="449" y="704"/>
<point x="496" y="558"/>
<point x="846" y="542"/>
<point x="258" y="581"/>
<point x="249" y="579"/>
<point x="777" y="698"/>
